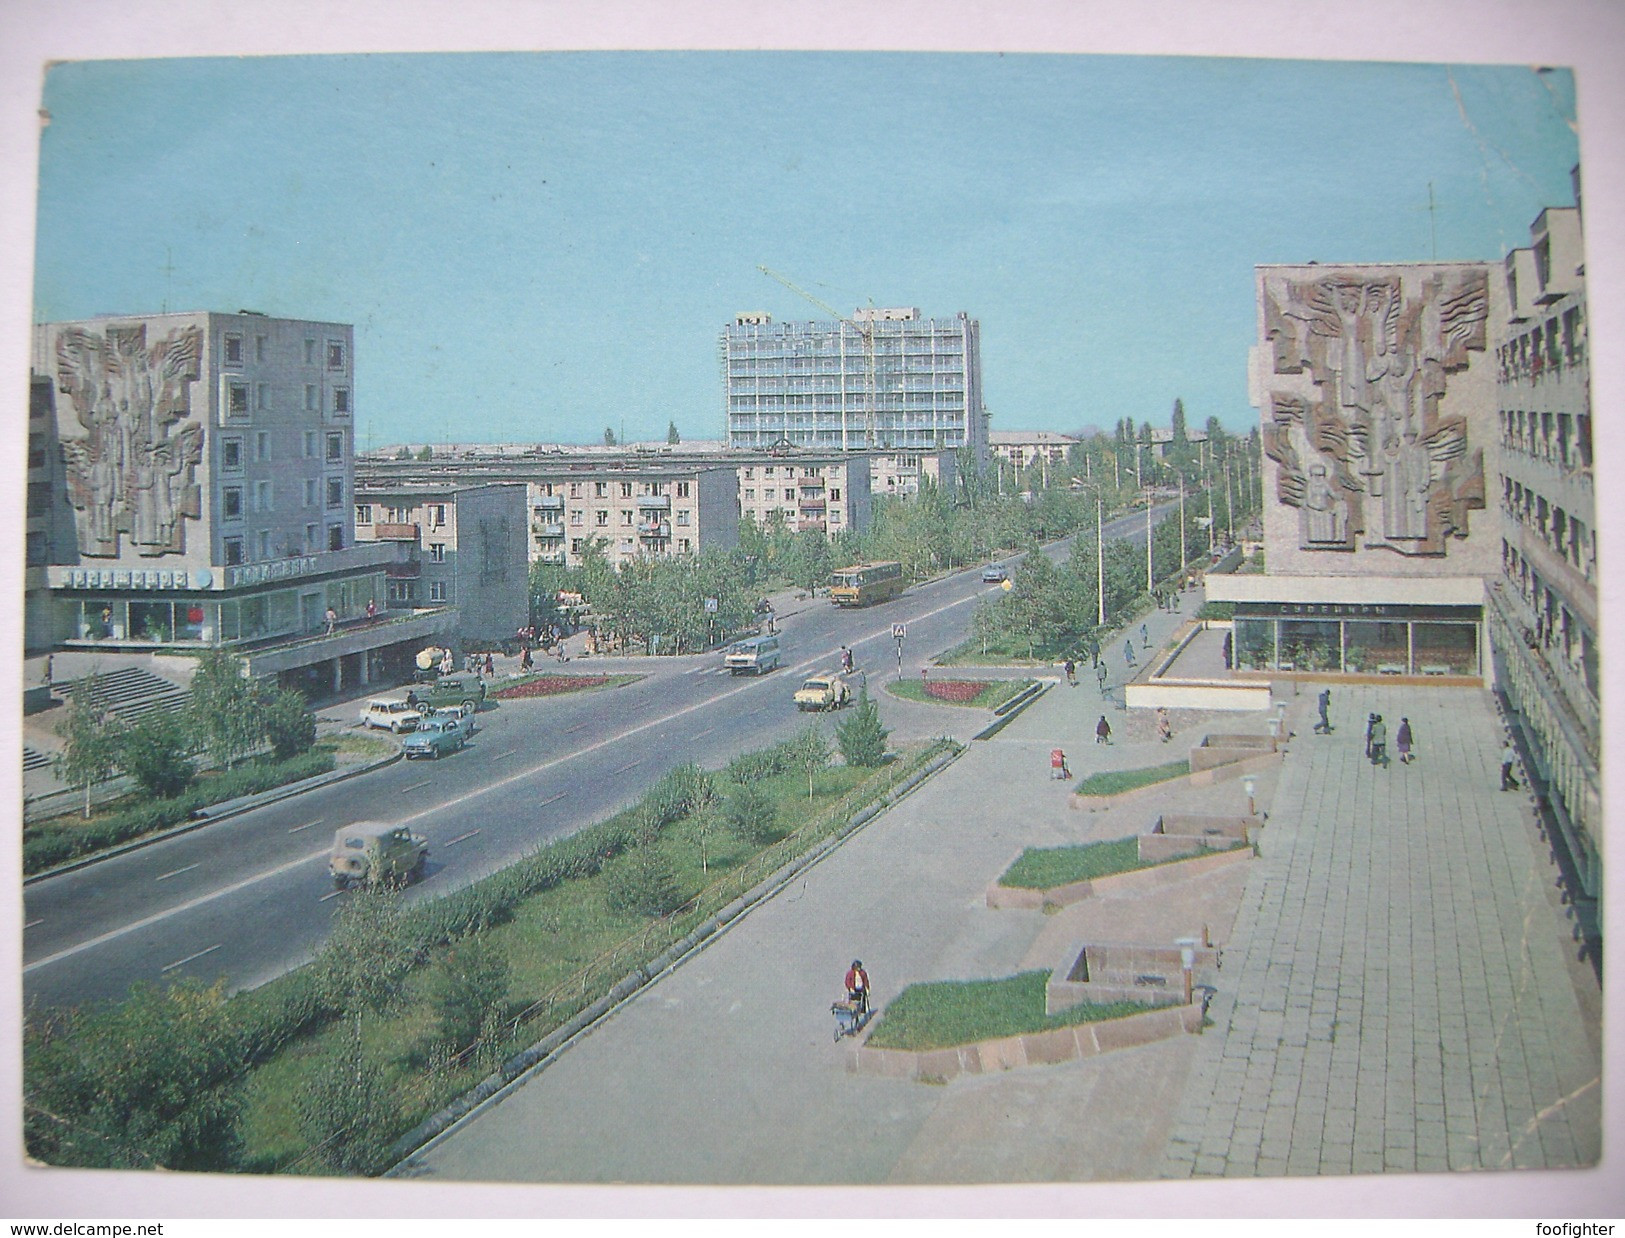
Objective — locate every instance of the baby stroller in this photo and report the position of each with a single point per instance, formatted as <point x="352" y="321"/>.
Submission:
<point x="851" y="1015"/>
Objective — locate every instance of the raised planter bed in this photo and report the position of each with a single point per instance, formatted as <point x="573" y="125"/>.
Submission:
<point x="1136" y="881"/>
<point x="1101" y="974"/>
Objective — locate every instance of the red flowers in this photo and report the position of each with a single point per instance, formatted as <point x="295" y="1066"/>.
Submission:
<point x="551" y="685"/>
<point x="958" y="691"/>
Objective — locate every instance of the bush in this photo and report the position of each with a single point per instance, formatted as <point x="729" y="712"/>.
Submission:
<point x="290" y="726"/>
<point x="153" y="751"/>
<point x="861" y="737"/>
<point x="642" y="883"/>
<point x="752" y="814"/>
<point x="346" y="1112"/>
<point x="470" y="984"/>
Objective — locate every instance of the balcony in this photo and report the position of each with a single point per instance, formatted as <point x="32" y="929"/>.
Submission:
<point x="809" y="526"/>
<point x="395" y="532"/>
<point x="654" y="529"/>
<point x="549" y="503"/>
<point x="542" y="528"/>
<point x="550" y="556"/>
<point x="811" y="505"/>
<point x="654" y="502"/>
<point x="405" y="569"/>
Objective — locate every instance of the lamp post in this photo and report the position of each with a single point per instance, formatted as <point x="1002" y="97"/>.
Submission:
<point x="1187" y="962"/>
<point x="1100" y="562"/>
<point x="1182" y="560"/>
<point x="1149" y="582"/>
<point x="1249" y="784"/>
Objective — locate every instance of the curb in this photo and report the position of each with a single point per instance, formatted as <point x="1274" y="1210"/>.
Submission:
<point x="1013" y="710"/>
<point x="519" y="1069"/>
<point x="213" y="814"/>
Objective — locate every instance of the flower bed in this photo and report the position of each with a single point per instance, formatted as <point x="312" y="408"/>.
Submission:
<point x="550" y="685"/>
<point x="956" y="690"/>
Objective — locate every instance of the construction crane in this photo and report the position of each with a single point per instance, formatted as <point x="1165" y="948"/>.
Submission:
<point x="866" y="330"/>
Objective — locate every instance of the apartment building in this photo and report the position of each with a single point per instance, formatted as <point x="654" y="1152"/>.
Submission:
<point x="194" y="488"/>
<point x="1542" y="604"/>
<point x="886" y="380"/>
<point x="1025" y="448"/>
<point x="462" y="546"/>
<point x="827" y="494"/>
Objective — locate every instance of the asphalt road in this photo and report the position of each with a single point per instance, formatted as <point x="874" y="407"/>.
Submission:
<point x="249" y="897"/>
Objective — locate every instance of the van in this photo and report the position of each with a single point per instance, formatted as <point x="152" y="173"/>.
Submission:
<point x="372" y="854"/>
<point x="756" y="655"/>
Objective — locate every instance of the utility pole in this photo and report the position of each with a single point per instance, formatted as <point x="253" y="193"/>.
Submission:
<point x="1210" y="533"/>
<point x="1182" y="561"/>
<point x="1100" y="561"/>
<point x="1229" y="505"/>
<point x="1149" y="582"/>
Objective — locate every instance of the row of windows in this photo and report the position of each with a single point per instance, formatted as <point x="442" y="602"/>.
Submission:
<point x="626" y="489"/>
<point x="1563" y="532"/>
<point x="1556" y="627"/>
<point x="233" y="344"/>
<point x="1558" y="438"/>
<point x="1549" y="345"/>
<point x="237" y="547"/>
<point x="789" y="494"/>
<point x="237" y="399"/>
<point x="434" y="514"/>
<point x="405" y="592"/>
<point x="231" y="448"/>
<point x="264" y="496"/>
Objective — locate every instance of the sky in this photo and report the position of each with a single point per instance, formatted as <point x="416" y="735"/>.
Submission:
<point x="535" y="246"/>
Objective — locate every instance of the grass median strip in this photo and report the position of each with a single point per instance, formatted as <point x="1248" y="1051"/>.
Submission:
<point x="945" y="1013"/>
<point x="1046" y="868"/>
<point x="1117" y="781"/>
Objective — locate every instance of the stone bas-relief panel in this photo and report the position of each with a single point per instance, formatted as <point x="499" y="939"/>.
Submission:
<point x="1363" y="448"/>
<point x="133" y="473"/>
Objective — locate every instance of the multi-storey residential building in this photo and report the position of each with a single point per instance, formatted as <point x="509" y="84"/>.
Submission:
<point x="899" y="474"/>
<point x="196" y="491"/>
<point x="1543" y="604"/>
<point x="887" y="379"/>
<point x="824" y="493"/>
<point x="1025" y="448"/>
<point x="462" y="546"/>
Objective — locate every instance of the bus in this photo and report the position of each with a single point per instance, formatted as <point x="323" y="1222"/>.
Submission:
<point x="864" y="584"/>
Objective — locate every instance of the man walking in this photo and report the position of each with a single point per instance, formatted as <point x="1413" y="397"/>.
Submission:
<point x="1379" y="741"/>
<point x="1324" y="703"/>
<point x="1509" y="757"/>
<point x="1128" y="651"/>
<point x="1403" y="741"/>
<point x="1072" y="672"/>
<point x="1103" y="731"/>
<point x="1100" y="674"/>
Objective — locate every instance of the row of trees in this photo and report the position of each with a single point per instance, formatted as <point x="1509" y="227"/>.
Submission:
<point x="226" y="718"/>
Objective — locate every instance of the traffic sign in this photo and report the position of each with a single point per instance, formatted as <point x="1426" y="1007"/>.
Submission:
<point x="899" y="631"/>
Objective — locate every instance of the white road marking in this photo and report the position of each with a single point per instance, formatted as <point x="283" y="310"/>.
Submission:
<point x="325" y="897"/>
<point x="178" y="872"/>
<point x="460" y="838"/>
<point x="158" y="917"/>
<point x="416" y="786"/>
<point x="188" y="959"/>
<point x="702" y="734"/>
<point x="305" y="826"/>
<point x="508" y="753"/>
<point x="33" y="923"/>
<point x="624" y="768"/>
<point x="552" y="799"/>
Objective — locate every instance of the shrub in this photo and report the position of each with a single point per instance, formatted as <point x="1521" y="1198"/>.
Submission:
<point x="642" y="883"/>
<point x="346" y="1112"/>
<point x="290" y="726"/>
<point x="153" y="751"/>
<point x="469" y="984"/>
<point x="861" y="737"/>
<point x="752" y="814"/>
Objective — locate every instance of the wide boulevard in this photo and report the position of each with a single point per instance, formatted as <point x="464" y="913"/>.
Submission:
<point x="249" y="897"/>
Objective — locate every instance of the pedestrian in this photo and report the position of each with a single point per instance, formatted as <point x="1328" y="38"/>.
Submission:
<point x="1509" y="757"/>
<point x="1100" y="674"/>
<point x="490" y="667"/>
<point x="525" y="662"/>
<point x="1370" y="722"/>
<point x="1228" y="649"/>
<point x="446" y="664"/>
<point x="1403" y="740"/>
<point x="1145" y="638"/>
<point x="1128" y="651"/>
<point x="47" y="670"/>
<point x="1379" y="742"/>
<point x="332" y="620"/>
<point x="1164" y="727"/>
<point x="1072" y="672"/>
<point x="1324" y="704"/>
<point x="1103" y="731"/>
<point x="372" y="608"/>
<point x="846" y="660"/>
<point x="857" y="987"/>
<point x="1094" y="652"/>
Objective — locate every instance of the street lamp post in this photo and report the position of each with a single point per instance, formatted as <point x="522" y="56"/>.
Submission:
<point x="1149" y="582"/>
<point x="1182" y="560"/>
<point x="1100" y="561"/>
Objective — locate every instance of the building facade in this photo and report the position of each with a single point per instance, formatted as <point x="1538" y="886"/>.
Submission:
<point x="1542" y="603"/>
<point x="456" y="546"/>
<point x="195" y="491"/>
<point x="826" y="494"/>
<point x="1025" y="448"/>
<point x="887" y="379"/>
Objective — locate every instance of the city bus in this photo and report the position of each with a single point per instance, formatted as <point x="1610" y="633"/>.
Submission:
<point x="864" y="584"/>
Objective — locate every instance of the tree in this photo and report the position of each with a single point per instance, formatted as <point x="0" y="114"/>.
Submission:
<point x="810" y="751"/>
<point x="427" y="452"/>
<point x="346" y="1112"/>
<point x="153" y="751"/>
<point x="290" y="726"/>
<point x="671" y="434"/>
<point x="643" y="882"/>
<point x="861" y="737"/>
<point x="368" y="954"/>
<point x="467" y="988"/>
<point x="223" y="713"/>
<point x="752" y="814"/>
<point x="609" y="436"/>
<point x="89" y="754"/>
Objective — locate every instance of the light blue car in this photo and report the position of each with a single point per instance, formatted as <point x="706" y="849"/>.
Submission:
<point x="436" y="735"/>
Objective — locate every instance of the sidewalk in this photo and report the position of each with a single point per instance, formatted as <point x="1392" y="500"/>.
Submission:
<point x="1394" y="993"/>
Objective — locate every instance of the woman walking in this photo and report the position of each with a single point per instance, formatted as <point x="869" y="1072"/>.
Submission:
<point x="1403" y="740"/>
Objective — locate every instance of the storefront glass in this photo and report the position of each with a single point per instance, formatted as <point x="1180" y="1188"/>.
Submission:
<point x="1375" y="648"/>
<point x="1254" y="644"/>
<point x="1445" y="648"/>
<point x="1310" y="645"/>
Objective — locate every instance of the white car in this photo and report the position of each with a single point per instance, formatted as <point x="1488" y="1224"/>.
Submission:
<point x="392" y="716"/>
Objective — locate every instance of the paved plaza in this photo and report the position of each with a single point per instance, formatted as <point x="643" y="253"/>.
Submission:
<point x="1398" y="990"/>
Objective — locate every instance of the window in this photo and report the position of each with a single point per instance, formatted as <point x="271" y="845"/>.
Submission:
<point x="396" y="515"/>
<point x="835" y="515"/>
<point x="231" y="453"/>
<point x="437" y="591"/>
<point x="437" y="552"/>
<point x="262" y="396"/>
<point x="576" y="517"/>
<point x="341" y="400"/>
<point x="682" y="545"/>
<point x="750" y="474"/>
<point x="575" y="545"/>
<point x="310" y="352"/>
<point x="263" y="537"/>
<point x="335" y="448"/>
<point x="575" y="490"/>
<point x="363" y="513"/>
<point x="682" y="517"/>
<point x="234" y="349"/>
<point x="601" y="518"/>
<point x="232" y="547"/>
<point x="310" y="492"/>
<point x="237" y="399"/>
<point x="750" y="496"/>
<point x="262" y="496"/>
<point x="259" y="348"/>
<point x="834" y="495"/>
<point x="768" y="471"/>
<point x="600" y="489"/>
<point x="335" y="537"/>
<point x="682" y="490"/>
<point x="402" y="592"/>
<point x="311" y="544"/>
<point x="335" y="354"/>
<point x="437" y="514"/>
<point x="335" y="492"/>
<point x="262" y="446"/>
<point x="626" y="489"/>
<point x="310" y="397"/>
<point x="231" y="503"/>
<point x="310" y="444"/>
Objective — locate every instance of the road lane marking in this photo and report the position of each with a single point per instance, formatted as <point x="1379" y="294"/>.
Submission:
<point x="702" y="734"/>
<point x="624" y="768"/>
<point x="178" y="872"/>
<point x="33" y="923"/>
<point x="577" y="727"/>
<point x="160" y="916"/>
<point x="460" y="838"/>
<point x="188" y="959"/>
<point x="552" y="799"/>
<point x="416" y="786"/>
<point x="508" y="753"/>
<point x="305" y="826"/>
<point x="325" y="897"/>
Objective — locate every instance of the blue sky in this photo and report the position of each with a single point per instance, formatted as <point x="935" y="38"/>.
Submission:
<point x="532" y="247"/>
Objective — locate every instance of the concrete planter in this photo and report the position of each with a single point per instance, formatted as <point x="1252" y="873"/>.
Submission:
<point x="1138" y="881"/>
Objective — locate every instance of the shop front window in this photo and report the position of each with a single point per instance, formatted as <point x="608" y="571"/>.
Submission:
<point x="1310" y="645"/>
<point x="1371" y="648"/>
<point x="153" y="621"/>
<point x="1445" y="648"/>
<point x="1254" y="644"/>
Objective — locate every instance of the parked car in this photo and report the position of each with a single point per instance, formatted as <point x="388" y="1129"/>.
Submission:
<point x="462" y="689"/>
<point x="823" y="692"/>
<point x="994" y="573"/>
<point x="372" y="853"/>
<point x="755" y="655"/>
<point x="390" y="715"/>
<point x="435" y="736"/>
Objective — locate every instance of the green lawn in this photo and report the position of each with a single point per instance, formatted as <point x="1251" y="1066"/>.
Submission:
<point x="1116" y="781"/>
<point x="959" y="1012"/>
<point x="1045" y="868"/>
<point x="996" y="693"/>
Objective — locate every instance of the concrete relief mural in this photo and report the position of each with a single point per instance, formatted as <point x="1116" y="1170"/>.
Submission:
<point x="1367" y="457"/>
<point x="134" y="471"/>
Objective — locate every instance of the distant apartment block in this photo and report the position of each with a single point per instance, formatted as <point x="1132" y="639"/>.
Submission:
<point x="1542" y="606"/>
<point x="1025" y="448"/>
<point x="885" y="380"/>
<point x="462" y="546"/>
<point x="826" y="494"/>
<point x="191" y="480"/>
